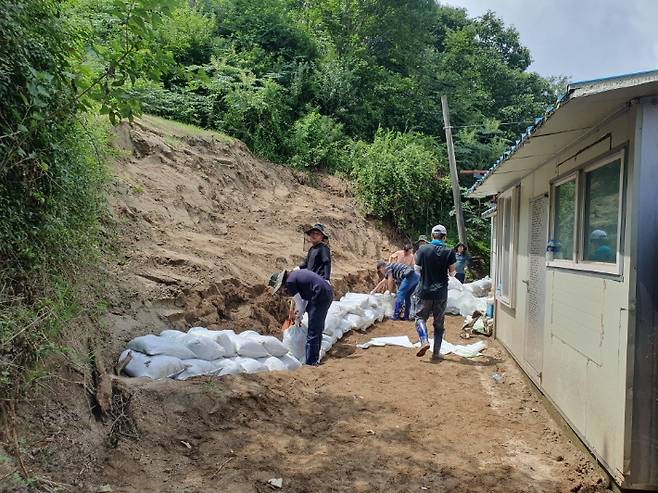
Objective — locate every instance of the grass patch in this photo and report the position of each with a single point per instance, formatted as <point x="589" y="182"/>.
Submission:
<point x="175" y="129"/>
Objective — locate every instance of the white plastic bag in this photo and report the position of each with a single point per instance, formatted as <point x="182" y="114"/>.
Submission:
<point x="195" y="368"/>
<point x="228" y="340"/>
<point x="153" y="345"/>
<point x="205" y="348"/>
<point x="251" y="347"/>
<point x="290" y="362"/>
<point x="354" y="321"/>
<point x="454" y="283"/>
<point x="227" y="366"/>
<point x="369" y="318"/>
<point x="172" y="334"/>
<point x="454" y="301"/>
<point x="294" y="338"/>
<point x="273" y="346"/>
<point x="273" y="363"/>
<point x="467" y="304"/>
<point x="155" y="367"/>
<point x="250" y="365"/>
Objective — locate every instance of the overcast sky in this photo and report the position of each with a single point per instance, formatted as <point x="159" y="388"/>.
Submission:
<point x="583" y="39"/>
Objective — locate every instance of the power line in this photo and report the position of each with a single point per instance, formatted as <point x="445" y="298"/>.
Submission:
<point x="499" y="124"/>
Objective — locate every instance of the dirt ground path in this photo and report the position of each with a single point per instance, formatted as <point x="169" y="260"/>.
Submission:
<point x="366" y="420"/>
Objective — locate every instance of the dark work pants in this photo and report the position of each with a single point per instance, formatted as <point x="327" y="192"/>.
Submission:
<point x="460" y="277"/>
<point x="437" y="309"/>
<point x="317" y="313"/>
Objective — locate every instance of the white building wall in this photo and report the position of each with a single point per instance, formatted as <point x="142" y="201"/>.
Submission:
<point x="587" y="318"/>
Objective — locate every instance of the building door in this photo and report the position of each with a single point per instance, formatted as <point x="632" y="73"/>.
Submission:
<point x="536" y="283"/>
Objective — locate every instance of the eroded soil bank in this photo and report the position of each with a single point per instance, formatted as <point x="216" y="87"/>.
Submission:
<point x="366" y="420"/>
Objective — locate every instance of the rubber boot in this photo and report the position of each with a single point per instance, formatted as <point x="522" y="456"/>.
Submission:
<point x="421" y="328"/>
<point x="396" y="310"/>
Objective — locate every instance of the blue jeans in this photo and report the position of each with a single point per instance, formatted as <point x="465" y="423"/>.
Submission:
<point x="317" y="313"/>
<point x="407" y="288"/>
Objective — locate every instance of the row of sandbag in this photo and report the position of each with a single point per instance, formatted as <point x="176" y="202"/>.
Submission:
<point x="464" y="299"/>
<point x="353" y="311"/>
<point x="200" y="351"/>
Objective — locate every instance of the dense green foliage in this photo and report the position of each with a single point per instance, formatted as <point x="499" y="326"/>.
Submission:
<point x="347" y="86"/>
<point x="61" y="63"/>
<point x="313" y="84"/>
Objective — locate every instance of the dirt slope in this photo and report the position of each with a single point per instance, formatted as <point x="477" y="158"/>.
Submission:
<point x="366" y="420"/>
<point x="202" y="223"/>
<point x="205" y="223"/>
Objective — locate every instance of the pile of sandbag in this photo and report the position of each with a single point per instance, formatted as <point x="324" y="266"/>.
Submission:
<point x="464" y="299"/>
<point x="200" y="351"/>
<point x="353" y="311"/>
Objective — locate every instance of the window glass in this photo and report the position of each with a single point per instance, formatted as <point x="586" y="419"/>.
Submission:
<point x="601" y="218"/>
<point x="564" y="220"/>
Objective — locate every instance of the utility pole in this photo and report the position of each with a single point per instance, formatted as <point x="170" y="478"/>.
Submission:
<point x="454" y="178"/>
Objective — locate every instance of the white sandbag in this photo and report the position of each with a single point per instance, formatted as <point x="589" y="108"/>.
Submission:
<point x="360" y="299"/>
<point x="344" y="327"/>
<point x="250" y="365"/>
<point x="481" y="305"/>
<point x="454" y="283"/>
<point x="249" y="334"/>
<point x="152" y="345"/>
<point x="199" y="331"/>
<point x="227" y="366"/>
<point x="205" y="348"/>
<point x="290" y="362"/>
<point x="369" y="318"/>
<point x="172" y="334"/>
<point x="325" y="346"/>
<point x="294" y="338"/>
<point x="387" y="302"/>
<point x="355" y="321"/>
<point x="195" y="368"/>
<point x="273" y="364"/>
<point x="250" y="347"/>
<point x="337" y="309"/>
<point x="273" y="346"/>
<point x="155" y="367"/>
<point x="467" y="304"/>
<point x="228" y="340"/>
<point x="331" y="323"/>
<point x="454" y="301"/>
<point x="480" y="288"/>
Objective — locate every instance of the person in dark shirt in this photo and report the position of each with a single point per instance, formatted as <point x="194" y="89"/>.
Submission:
<point x="435" y="262"/>
<point x="408" y="279"/>
<point x="317" y="293"/>
<point x="318" y="258"/>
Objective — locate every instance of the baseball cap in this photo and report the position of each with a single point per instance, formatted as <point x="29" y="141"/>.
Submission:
<point x="440" y="228"/>
<point x="276" y="280"/>
<point x="598" y="234"/>
<point x="423" y="238"/>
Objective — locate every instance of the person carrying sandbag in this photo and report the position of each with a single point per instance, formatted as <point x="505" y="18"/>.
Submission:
<point x="318" y="294"/>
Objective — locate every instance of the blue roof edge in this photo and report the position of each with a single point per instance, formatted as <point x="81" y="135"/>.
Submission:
<point x="630" y="75"/>
<point x="550" y="110"/>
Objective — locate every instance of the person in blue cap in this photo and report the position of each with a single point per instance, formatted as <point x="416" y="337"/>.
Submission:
<point x="318" y="258"/>
<point x="435" y="262"/>
<point x="317" y="293"/>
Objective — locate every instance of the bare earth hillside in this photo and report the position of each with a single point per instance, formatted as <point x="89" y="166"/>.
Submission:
<point x="205" y="223"/>
<point x="200" y="224"/>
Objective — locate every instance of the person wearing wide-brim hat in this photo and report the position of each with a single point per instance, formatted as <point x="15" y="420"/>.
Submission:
<point x="318" y="257"/>
<point x="317" y="293"/>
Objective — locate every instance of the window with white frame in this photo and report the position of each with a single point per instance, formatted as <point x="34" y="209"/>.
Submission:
<point x="586" y="216"/>
<point x="506" y="229"/>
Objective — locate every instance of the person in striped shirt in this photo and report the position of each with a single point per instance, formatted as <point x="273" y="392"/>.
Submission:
<point x="408" y="279"/>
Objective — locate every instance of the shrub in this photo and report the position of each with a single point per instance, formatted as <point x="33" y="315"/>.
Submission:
<point x="397" y="179"/>
<point x="317" y="141"/>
